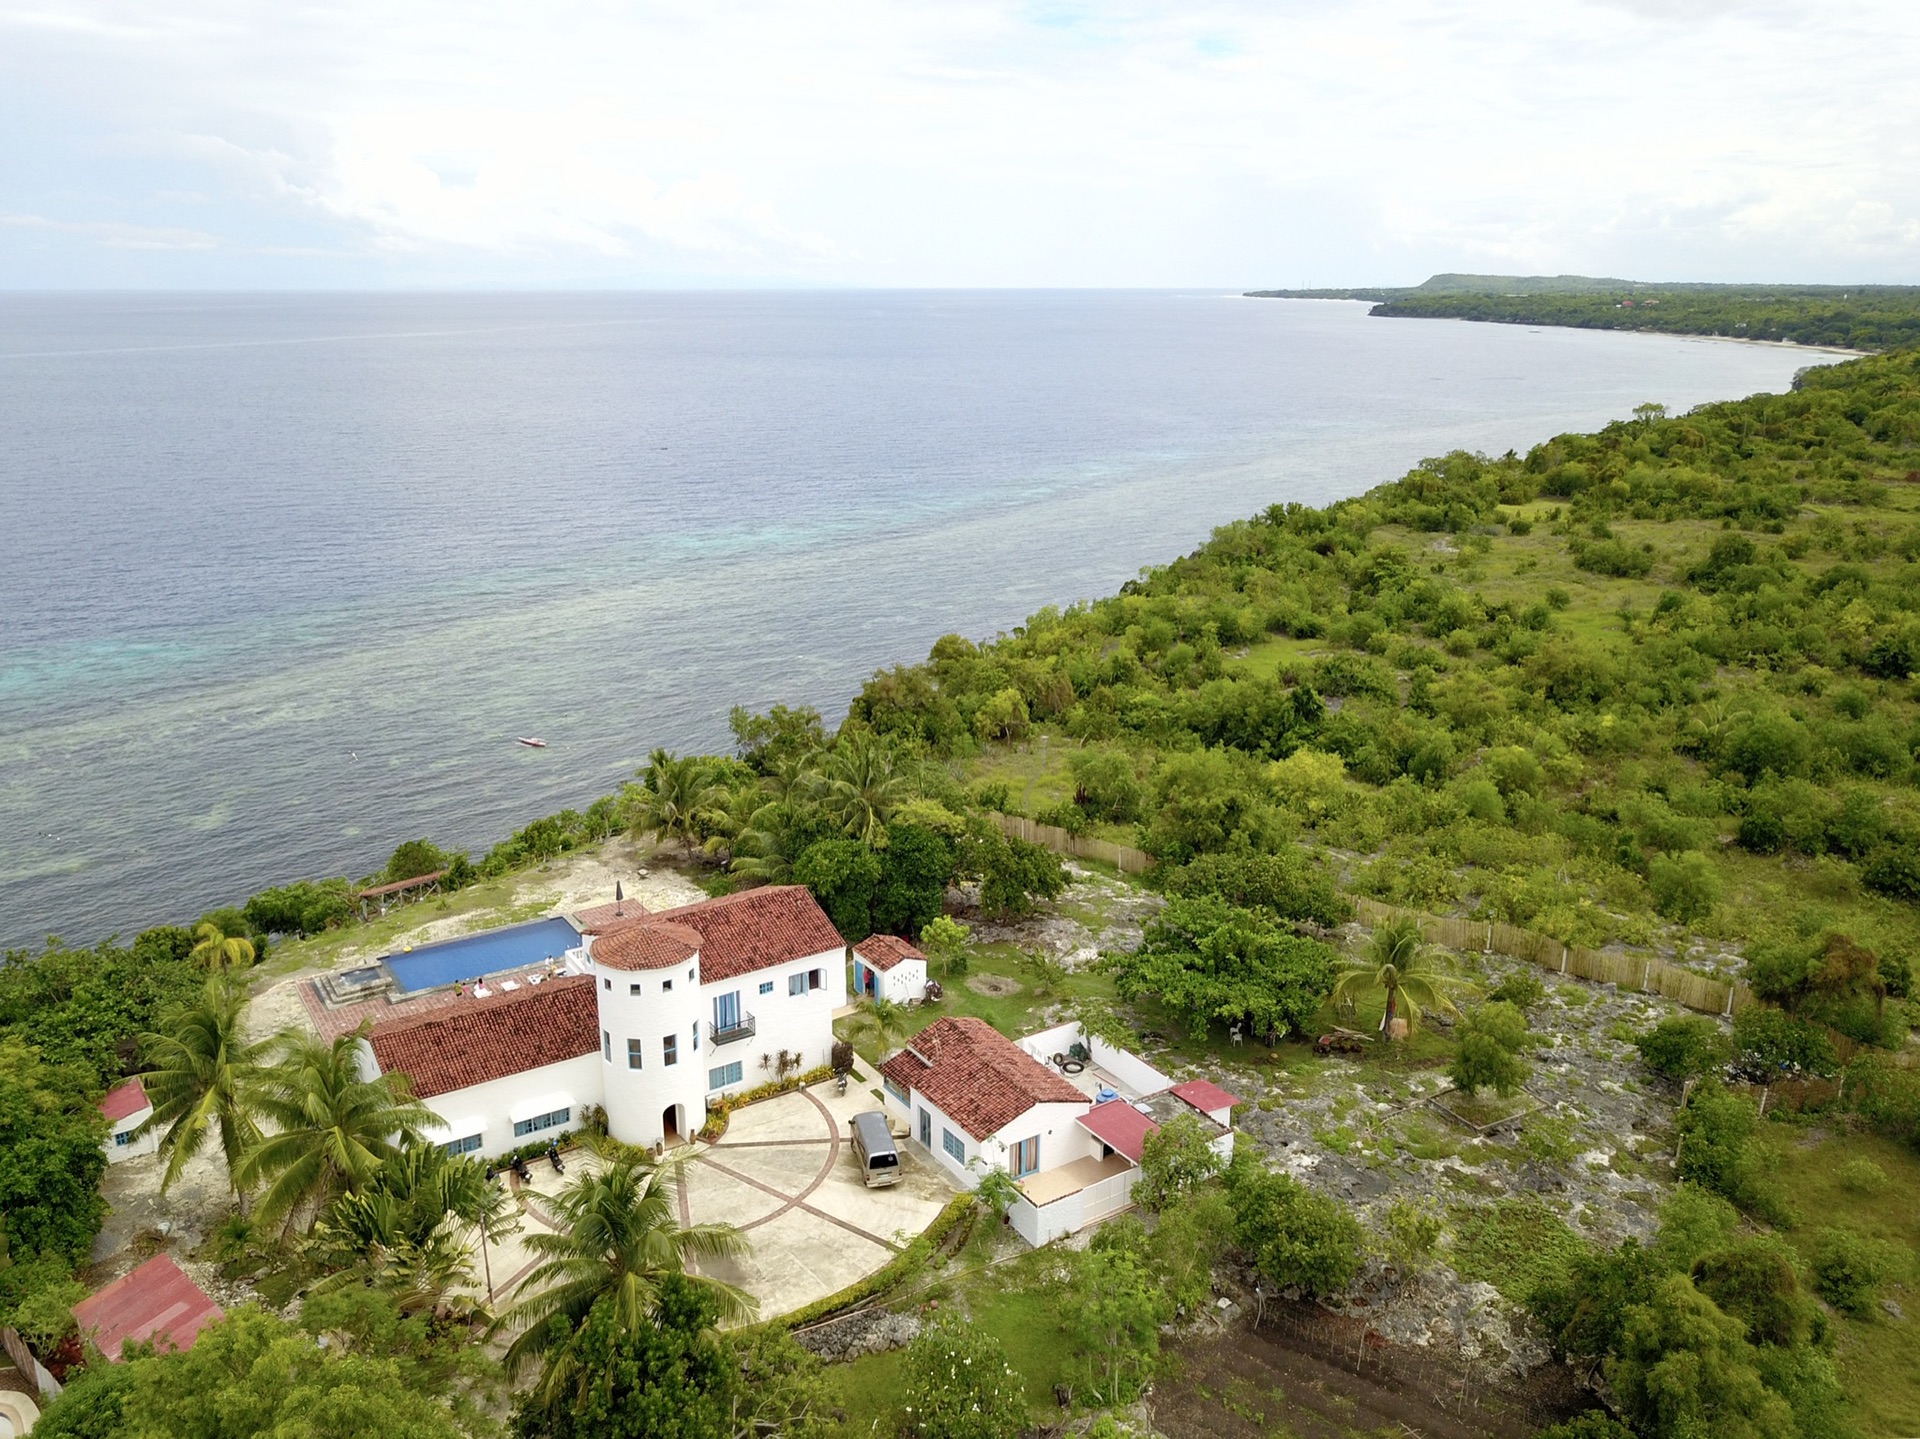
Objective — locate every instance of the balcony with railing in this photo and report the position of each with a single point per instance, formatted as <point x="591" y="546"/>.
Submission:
<point x="742" y="1028"/>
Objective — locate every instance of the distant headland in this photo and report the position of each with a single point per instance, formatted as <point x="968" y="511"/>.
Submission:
<point x="1853" y="317"/>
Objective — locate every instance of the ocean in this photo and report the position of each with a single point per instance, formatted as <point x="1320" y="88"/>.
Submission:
<point x="282" y="577"/>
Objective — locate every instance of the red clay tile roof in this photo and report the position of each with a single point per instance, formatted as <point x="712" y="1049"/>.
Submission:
<point x="601" y="917"/>
<point x="1205" y="1096"/>
<point x="977" y="1076"/>
<point x="156" y="1301"/>
<point x="1120" y="1126"/>
<point x="491" y="1038"/>
<point x="756" y="929"/>
<point x="656" y="944"/>
<point x="124" y="1100"/>
<point x="883" y="951"/>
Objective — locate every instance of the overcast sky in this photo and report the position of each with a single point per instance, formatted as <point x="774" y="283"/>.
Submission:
<point x="204" y="143"/>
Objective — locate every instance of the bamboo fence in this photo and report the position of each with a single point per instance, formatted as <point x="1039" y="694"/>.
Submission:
<point x="1627" y="971"/>
<point x="1642" y="973"/>
<point x="1050" y="836"/>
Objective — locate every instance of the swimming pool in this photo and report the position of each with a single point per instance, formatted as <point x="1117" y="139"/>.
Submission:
<point x="517" y="946"/>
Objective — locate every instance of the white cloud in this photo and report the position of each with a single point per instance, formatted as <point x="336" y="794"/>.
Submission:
<point x="118" y="236"/>
<point x="985" y="141"/>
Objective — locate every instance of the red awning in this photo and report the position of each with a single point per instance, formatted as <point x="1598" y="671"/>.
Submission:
<point x="1119" y="1126"/>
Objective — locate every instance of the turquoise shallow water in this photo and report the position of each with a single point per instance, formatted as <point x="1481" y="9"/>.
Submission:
<point x="281" y="577"/>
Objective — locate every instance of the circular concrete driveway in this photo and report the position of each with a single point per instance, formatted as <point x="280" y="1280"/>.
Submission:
<point x="786" y="1175"/>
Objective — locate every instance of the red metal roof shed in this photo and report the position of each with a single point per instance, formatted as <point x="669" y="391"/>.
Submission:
<point x="156" y="1301"/>
<point x="1119" y="1126"/>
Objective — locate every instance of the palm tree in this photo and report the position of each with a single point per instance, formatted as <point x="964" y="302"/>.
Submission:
<point x="219" y="950"/>
<point x="888" y="1018"/>
<point x="409" y="1232"/>
<point x="203" y="1078"/>
<point x="333" y="1128"/>
<point x="1395" y="963"/>
<point x="764" y="847"/>
<point x="859" y="786"/>
<point x="619" y="1235"/>
<point x="676" y="798"/>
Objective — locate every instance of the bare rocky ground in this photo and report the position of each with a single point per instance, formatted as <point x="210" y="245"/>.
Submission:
<point x="1592" y="1147"/>
<point x="1098" y="913"/>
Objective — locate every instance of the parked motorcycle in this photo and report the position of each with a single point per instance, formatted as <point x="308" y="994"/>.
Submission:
<point x="553" y="1158"/>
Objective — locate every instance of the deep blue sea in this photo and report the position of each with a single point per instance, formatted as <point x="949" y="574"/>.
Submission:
<point x="282" y="577"/>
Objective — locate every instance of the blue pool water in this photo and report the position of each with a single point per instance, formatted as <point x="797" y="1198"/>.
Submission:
<point x="518" y="946"/>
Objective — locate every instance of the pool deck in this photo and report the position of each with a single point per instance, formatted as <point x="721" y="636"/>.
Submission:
<point x="334" y="1022"/>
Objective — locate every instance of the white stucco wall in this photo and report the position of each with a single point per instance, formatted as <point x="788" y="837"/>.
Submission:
<point x="1129" y="1068"/>
<point x="581" y="1079"/>
<point x="134" y="1149"/>
<point x="646" y="1006"/>
<point x="905" y="983"/>
<point x="1061" y="1139"/>
<point x="1072" y="1212"/>
<point x="801" y="1024"/>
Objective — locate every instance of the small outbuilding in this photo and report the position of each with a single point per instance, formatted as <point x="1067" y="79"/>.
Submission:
<point x="127" y="1108"/>
<point x="156" y="1302"/>
<point x="887" y="967"/>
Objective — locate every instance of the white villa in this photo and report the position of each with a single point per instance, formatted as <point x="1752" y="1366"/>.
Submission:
<point x="657" y="1014"/>
<point x="1070" y="1131"/>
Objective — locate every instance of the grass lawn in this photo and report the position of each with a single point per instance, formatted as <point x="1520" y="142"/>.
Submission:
<point x="1017" y="1302"/>
<point x="1014" y="1014"/>
<point x="491" y="900"/>
<point x="1878" y="1358"/>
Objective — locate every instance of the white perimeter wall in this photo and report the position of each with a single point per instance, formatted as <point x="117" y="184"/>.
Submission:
<point x="1072" y="1212"/>
<point x="1129" y="1068"/>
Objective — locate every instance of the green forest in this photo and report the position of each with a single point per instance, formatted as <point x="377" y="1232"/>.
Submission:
<point x="1855" y="317"/>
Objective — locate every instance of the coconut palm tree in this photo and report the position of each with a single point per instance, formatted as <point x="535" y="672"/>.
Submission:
<point x="675" y="799"/>
<point x="332" y="1127"/>
<point x="1396" y="963"/>
<point x="764" y="847"/>
<point x="888" y="1018"/>
<point x="618" y="1236"/>
<point x="204" y="1080"/>
<point x="859" y="786"/>
<point x="410" y="1231"/>
<point x="219" y="950"/>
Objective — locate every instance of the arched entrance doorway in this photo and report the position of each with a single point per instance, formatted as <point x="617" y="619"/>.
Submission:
<point x="670" y="1125"/>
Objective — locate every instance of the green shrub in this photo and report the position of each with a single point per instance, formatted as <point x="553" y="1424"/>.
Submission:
<point x="1863" y="1176"/>
<point x="1296" y="1238"/>
<point x="1522" y="989"/>
<point x="1289" y="884"/>
<point x="1684" y="1047"/>
<point x="959" y="1385"/>
<point x="1175" y="1159"/>
<point x="1718" y="1152"/>
<point x="1491" y="1038"/>
<point x="1769" y="1042"/>
<point x="1848" y="1267"/>
<point x="1685" y="886"/>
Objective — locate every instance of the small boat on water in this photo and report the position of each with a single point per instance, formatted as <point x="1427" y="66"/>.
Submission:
<point x="531" y="743"/>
